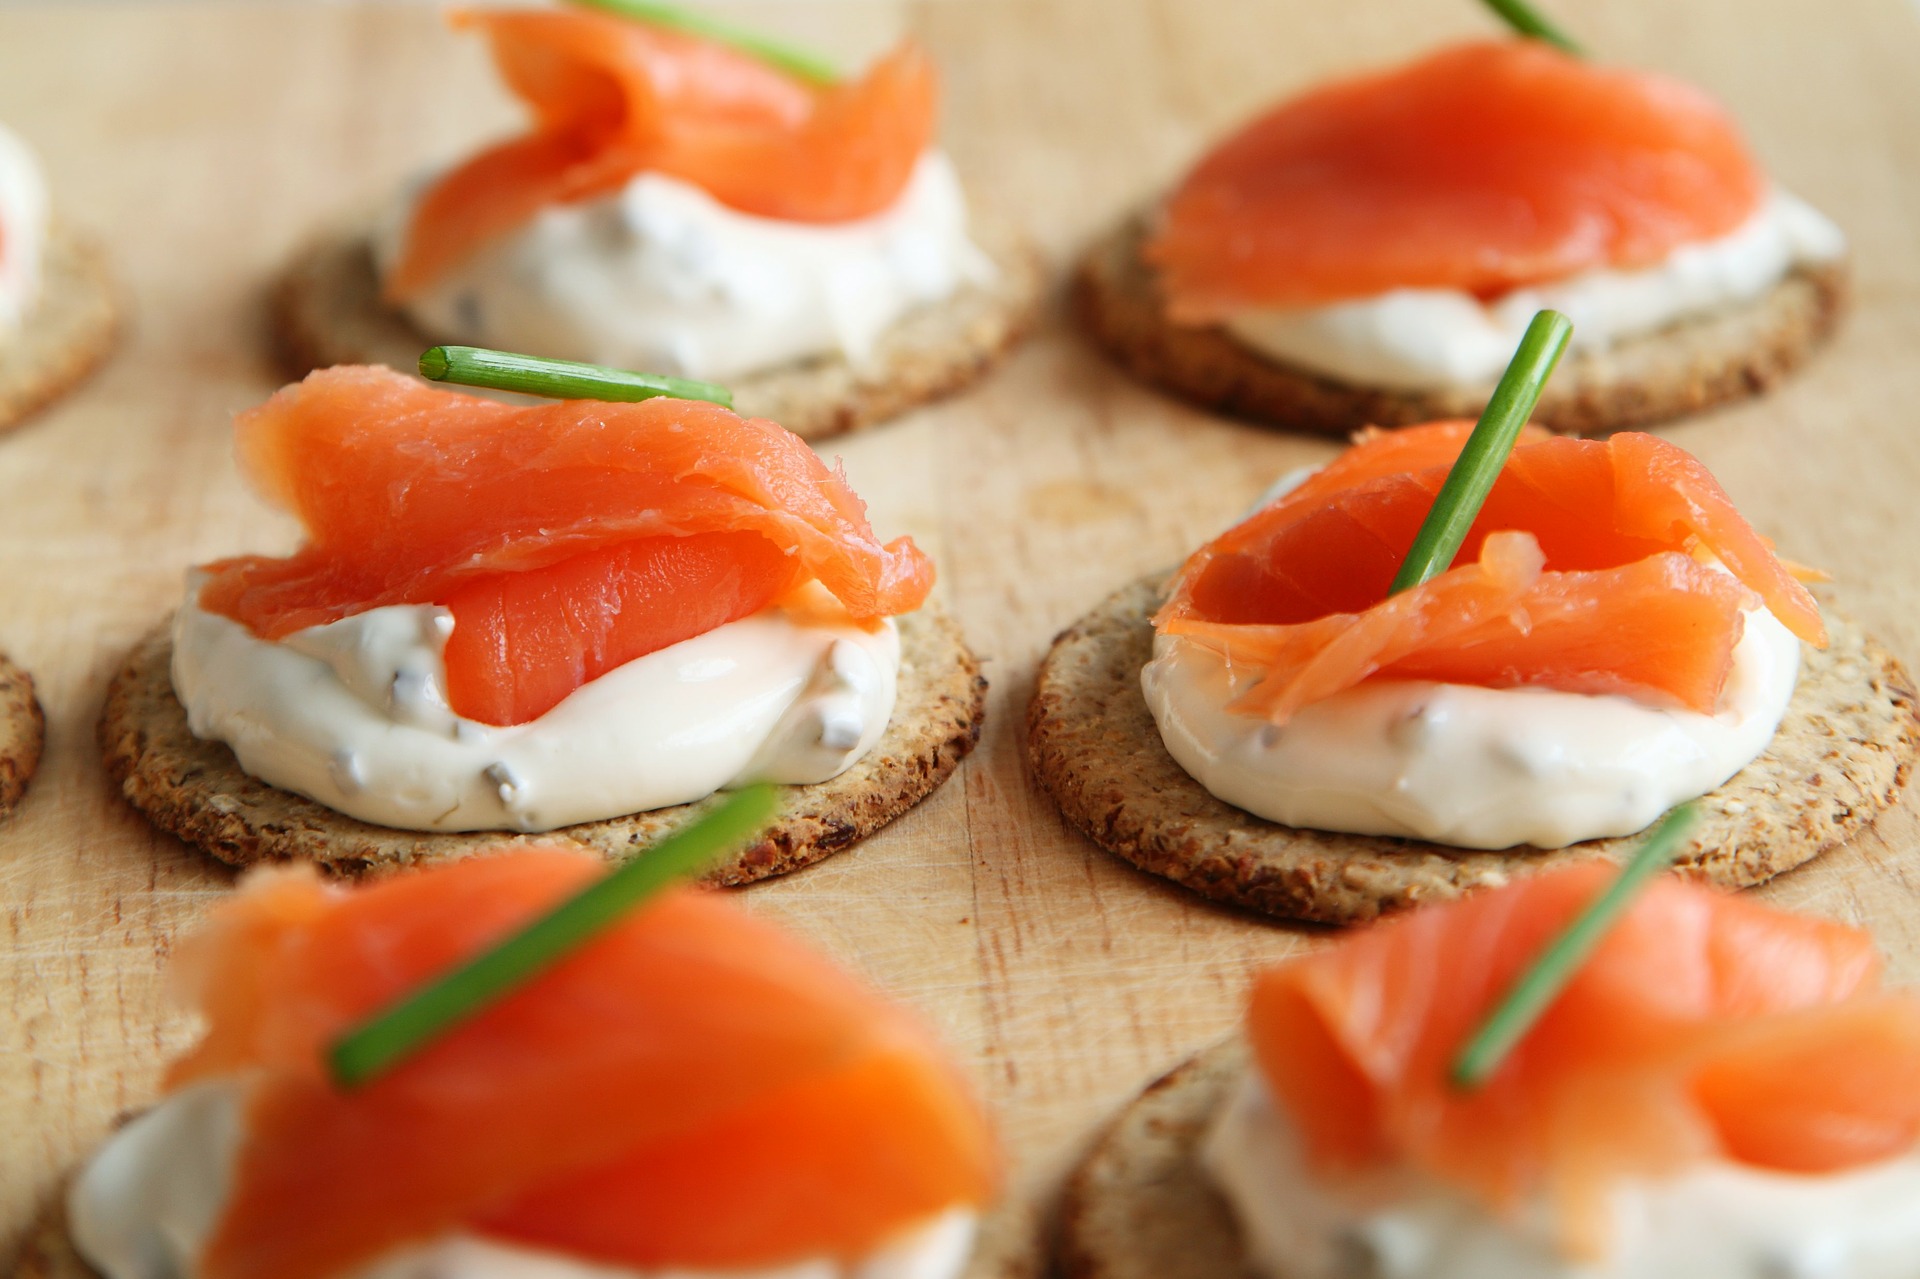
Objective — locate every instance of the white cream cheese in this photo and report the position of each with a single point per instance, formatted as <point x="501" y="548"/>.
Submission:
<point x="1717" y="1220"/>
<point x="354" y="714"/>
<point x="1467" y="766"/>
<point x="145" y="1205"/>
<point x="1419" y="339"/>
<point x="23" y="231"/>
<point x="663" y="277"/>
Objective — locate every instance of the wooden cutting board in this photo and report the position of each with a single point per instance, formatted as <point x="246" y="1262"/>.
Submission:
<point x="207" y="139"/>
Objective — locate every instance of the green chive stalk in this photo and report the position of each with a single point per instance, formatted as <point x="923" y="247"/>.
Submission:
<point x="1540" y="985"/>
<point x="802" y="63"/>
<point x="1480" y="462"/>
<point x="1525" y="20"/>
<point x="558" y="379"/>
<point x="393" y="1036"/>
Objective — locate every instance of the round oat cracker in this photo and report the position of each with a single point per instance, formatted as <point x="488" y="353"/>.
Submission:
<point x="196" y="790"/>
<point x="1682" y="369"/>
<point x="23" y="733"/>
<point x="67" y="334"/>
<point x="1842" y="754"/>
<point x="327" y="310"/>
<point x="1139" y="1205"/>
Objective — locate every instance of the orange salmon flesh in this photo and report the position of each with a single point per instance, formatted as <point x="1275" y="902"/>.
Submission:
<point x="566" y="538"/>
<point x="694" y="1088"/>
<point x="1705" y="1026"/>
<point x="1582" y="572"/>
<point x="1480" y="168"/>
<point x="612" y="98"/>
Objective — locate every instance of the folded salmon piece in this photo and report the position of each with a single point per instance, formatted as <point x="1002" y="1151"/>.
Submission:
<point x="612" y="98"/>
<point x="694" y="1088"/>
<point x="1586" y="570"/>
<point x="1704" y="1027"/>
<point x="1480" y="168"/>
<point x="567" y="538"/>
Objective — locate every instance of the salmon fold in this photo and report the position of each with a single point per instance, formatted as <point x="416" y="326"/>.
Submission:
<point x="692" y="1089"/>
<point x="1705" y="1027"/>
<point x="612" y="98"/>
<point x="1481" y="168"/>
<point x="1601" y="567"/>
<point x="566" y="538"/>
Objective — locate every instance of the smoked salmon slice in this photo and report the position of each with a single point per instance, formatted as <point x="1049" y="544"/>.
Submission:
<point x="522" y="642"/>
<point x="612" y="98"/>
<point x="1583" y="571"/>
<point x="691" y="1089"/>
<point x="566" y="538"/>
<point x="1704" y="1027"/>
<point x="1480" y="168"/>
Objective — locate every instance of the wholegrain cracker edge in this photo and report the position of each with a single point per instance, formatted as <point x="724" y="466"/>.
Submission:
<point x="1841" y="757"/>
<point x="23" y="734"/>
<point x="1685" y="368"/>
<point x="327" y="310"/>
<point x="1139" y="1205"/>
<point x="196" y="790"/>
<point x="67" y="335"/>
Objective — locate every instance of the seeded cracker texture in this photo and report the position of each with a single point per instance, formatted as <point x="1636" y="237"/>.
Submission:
<point x="1140" y="1206"/>
<point x="327" y="310"/>
<point x="196" y="790"/>
<point x="1841" y="756"/>
<point x="23" y="732"/>
<point x="67" y="334"/>
<point x="1690" y="366"/>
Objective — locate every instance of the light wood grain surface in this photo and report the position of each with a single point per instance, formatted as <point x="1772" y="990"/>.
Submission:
<point x="207" y="139"/>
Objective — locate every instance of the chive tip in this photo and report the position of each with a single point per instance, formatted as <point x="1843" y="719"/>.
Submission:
<point x="378" y="1044"/>
<point x="1484" y="455"/>
<point x="1540" y="983"/>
